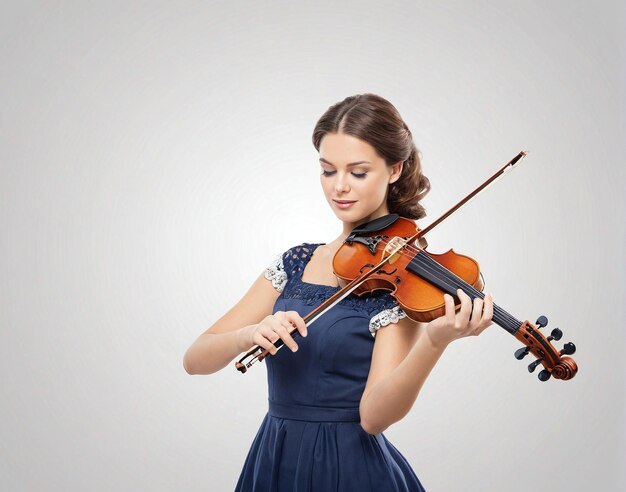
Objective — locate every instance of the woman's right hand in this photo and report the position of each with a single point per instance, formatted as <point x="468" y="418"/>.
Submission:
<point x="275" y="326"/>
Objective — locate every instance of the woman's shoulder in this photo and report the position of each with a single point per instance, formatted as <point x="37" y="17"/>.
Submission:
<point x="297" y="252"/>
<point x="286" y="264"/>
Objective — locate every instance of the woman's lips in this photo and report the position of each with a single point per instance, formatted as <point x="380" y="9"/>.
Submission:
<point x="343" y="204"/>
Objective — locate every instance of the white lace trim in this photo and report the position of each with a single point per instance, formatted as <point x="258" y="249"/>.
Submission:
<point x="385" y="317"/>
<point x="276" y="273"/>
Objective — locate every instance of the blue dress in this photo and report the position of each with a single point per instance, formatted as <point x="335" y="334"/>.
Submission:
<point x="311" y="438"/>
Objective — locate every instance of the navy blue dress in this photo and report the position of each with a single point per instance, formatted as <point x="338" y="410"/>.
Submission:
<point x="311" y="439"/>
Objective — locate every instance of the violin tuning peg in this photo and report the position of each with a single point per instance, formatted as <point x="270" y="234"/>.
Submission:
<point x="544" y="375"/>
<point x="556" y="334"/>
<point x="533" y="365"/>
<point x="568" y="349"/>
<point x="541" y="321"/>
<point x="521" y="353"/>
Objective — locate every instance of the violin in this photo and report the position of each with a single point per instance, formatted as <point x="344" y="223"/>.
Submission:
<point x="389" y="253"/>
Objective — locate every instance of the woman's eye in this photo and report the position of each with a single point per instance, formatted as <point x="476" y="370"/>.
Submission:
<point x="356" y="175"/>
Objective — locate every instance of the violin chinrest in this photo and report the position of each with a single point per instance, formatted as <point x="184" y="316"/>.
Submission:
<point x="374" y="225"/>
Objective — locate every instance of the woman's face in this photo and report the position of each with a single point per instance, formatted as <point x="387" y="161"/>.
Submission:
<point x="354" y="173"/>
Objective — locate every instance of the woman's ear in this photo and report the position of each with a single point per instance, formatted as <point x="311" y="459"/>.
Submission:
<point x="396" y="171"/>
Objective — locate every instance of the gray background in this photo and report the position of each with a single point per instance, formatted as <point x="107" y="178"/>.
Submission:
<point x="156" y="156"/>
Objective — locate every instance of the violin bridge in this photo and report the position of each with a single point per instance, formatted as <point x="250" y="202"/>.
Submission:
<point x="394" y="249"/>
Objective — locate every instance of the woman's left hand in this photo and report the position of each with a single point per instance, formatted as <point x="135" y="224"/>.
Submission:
<point x="470" y="320"/>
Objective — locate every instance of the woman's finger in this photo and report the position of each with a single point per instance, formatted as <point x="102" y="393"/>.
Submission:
<point x="284" y="332"/>
<point x="486" y="320"/>
<point x="450" y="311"/>
<point x="477" y="313"/>
<point x="281" y="327"/>
<point x="463" y="315"/>
<point x="297" y="320"/>
<point x="265" y="337"/>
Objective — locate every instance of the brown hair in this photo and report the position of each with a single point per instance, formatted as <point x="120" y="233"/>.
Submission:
<point x="376" y="121"/>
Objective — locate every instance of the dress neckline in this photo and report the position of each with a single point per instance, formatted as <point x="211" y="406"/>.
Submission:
<point x="305" y="263"/>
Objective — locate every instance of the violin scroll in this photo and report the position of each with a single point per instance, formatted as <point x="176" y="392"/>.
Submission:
<point x="555" y="363"/>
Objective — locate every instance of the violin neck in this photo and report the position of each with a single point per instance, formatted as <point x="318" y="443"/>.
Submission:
<point x="425" y="267"/>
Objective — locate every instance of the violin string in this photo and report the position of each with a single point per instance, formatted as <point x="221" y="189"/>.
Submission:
<point x="446" y="276"/>
<point x="436" y="268"/>
<point x="452" y="281"/>
<point x="430" y="265"/>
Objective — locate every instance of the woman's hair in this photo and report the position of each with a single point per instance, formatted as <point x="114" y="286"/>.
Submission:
<point x="376" y="121"/>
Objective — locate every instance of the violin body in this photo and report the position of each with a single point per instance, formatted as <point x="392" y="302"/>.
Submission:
<point x="421" y="300"/>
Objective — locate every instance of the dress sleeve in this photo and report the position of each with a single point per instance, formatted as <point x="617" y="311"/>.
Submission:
<point x="276" y="273"/>
<point x="392" y="312"/>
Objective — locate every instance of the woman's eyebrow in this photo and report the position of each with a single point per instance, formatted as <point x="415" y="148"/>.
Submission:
<point x="350" y="164"/>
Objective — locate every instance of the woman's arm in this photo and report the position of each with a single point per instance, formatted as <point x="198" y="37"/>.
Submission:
<point x="404" y="356"/>
<point x="231" y="335"/>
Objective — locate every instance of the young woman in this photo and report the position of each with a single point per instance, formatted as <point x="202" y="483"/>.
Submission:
<point x="360" y="366"/>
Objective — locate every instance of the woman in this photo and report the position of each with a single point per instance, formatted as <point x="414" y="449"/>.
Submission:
<point x="363" y="363"/>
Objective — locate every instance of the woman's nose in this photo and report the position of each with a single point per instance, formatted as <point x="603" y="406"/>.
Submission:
<point x="341" y="185"/>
